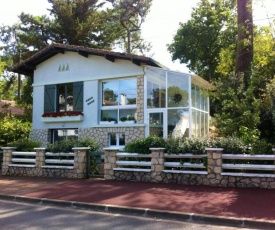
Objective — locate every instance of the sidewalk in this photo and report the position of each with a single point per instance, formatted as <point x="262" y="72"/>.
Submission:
<point x="235" y="206"/>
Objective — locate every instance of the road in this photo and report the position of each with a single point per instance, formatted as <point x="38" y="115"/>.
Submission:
<point x="14" y="215"/>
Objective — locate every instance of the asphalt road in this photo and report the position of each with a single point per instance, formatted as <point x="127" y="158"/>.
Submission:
<point x="14" y="215"/>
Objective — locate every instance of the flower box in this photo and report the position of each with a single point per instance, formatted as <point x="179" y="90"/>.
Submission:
<point x="64" y="116"/>
<point x="107" y="122"/>
<point x="63" y="119"/>
<point x="127" y="122"/>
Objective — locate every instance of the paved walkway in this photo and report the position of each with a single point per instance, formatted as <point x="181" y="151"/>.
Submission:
<point x="223" y="203"/>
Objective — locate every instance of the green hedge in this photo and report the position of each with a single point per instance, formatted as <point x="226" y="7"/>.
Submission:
<point x="67" y="145"/>
<point x="231" y="145"/>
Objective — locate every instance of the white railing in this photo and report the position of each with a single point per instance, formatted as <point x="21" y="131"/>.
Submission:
<point x="52" y="160"/>
<point x="23" y="159"/>
<point x="244" y="169"/>
<point x="181" y="166"/>
<point x="59" y="160"/>
<point x="133" y="164"/>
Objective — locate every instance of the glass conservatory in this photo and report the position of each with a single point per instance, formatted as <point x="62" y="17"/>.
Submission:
<point x="176" y="104"/>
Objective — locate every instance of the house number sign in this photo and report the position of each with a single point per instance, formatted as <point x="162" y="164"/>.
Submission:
<point x="90" y="100"/>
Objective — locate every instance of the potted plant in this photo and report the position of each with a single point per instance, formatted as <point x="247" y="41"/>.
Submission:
<point x="128" y="120"/>
<point x="107" y="121"/>
<point x="123" y="119"/>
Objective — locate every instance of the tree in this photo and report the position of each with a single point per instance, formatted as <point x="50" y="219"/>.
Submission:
<point x="131" y="14"/>
<point x="245" y="40"/>
<point x="82" y="22"/>
<point x="199" y="42"/>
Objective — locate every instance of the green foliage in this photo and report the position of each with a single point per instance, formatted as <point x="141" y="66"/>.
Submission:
<point x="143" y="145"/>
<point x="261" y="147"/>
<point x="186" y="145"/>
<point x="12" y="129"/>
<point x="230" y="145"/>
<point x="87" y="142"/>
<point x="25" y="145"/>
<point x="199" y="41"/>
<point x="64" y="146"/>
<point x="239" y="112"/>
<point x="67" y="145"/>
<point x="130" y="14"/>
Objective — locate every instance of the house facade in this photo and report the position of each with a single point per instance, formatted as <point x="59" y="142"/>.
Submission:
<point x="111" y="97"/>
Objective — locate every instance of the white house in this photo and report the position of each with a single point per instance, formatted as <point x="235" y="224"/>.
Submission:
<point x="111" y="97"/>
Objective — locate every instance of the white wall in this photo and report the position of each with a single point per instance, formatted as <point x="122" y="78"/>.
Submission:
<point x="77" y="68"/>
<point x="82" y="69"/>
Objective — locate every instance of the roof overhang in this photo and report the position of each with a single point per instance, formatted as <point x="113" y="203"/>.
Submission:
<point x="28" y="66"/>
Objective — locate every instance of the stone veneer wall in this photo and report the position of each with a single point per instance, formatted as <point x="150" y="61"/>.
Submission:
<point x="78" y="171"/>
<point x="41" y="135"/>
<point x="140" y="100"/>
<point x="100" y="134"/>
<point x="213" y="177"/>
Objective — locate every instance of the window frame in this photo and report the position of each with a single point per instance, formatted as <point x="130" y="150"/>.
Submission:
<point x="117" y="108"/>
<point x="51" y="97"/>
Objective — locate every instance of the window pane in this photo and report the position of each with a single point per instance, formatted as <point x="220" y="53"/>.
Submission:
<point x="127" y="114"/>
<point x="178" y="122"/>
<point x="128" y="91"/>
<point x="193" y="96"/>
<point x="61" y="98"/>
<point x="156" y="124"/>
<point x="156" y="86"/>
<point x="64" y="134"/>
<point x="110" y="93"/>
<point x="70" y="98"/>
<point x="112" y="139"/>
<point x="121" y="139"/>
<point x="109" y="115"/>
<point x="177" y="90"/>
<point x="194" y="123"/>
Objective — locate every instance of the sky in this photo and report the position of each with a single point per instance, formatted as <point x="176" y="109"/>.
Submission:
<point x="161" y="23"/>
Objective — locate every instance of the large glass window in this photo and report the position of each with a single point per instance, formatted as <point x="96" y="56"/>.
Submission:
<point x="119" y="99"/>
<point x="119" y="93"/>
<point x="181" y="98"/>
<point x="178" y="122"/>
<point x="156" y="88"/>
<point x="177" y="90"/>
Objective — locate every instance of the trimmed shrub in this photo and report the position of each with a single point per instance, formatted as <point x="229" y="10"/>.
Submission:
<point x="66" y="146"/>
<point x="25" y="145"/>
<point x="230" y="145"/>
<point x="261" y="147"/>
<point x="87" y="142"/>
<point x="143" y="145"/>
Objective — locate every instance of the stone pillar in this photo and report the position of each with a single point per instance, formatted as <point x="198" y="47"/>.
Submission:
<point x="214" y="160"/>
<point x="40" y="157"/>
<point x="80" y="161"/>
<point x="140" y="100"/>
<point x="7" y="156"/>
<point x="157" y="164"/>
<point x="110" y="163"/>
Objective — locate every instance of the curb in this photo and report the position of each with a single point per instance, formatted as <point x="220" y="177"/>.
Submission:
<point x="150" y="213"/>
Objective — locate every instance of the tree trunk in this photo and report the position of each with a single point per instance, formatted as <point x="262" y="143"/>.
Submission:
<point x="245" y="40"/>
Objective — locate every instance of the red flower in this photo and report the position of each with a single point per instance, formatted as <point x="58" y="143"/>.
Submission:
<point x="62" y="114"/>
